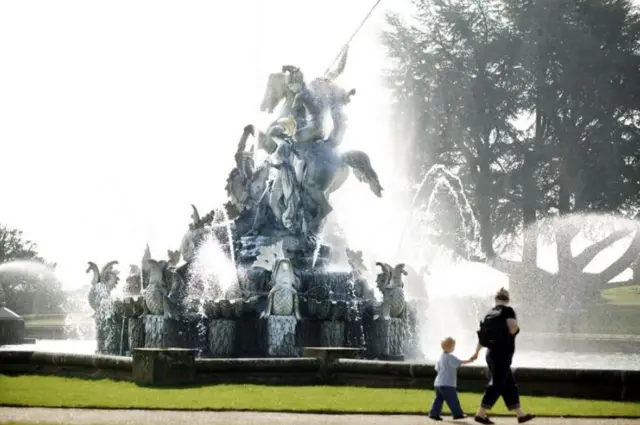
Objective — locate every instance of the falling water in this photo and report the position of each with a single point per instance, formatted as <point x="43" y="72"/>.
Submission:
<point x="227" y="223"/>
<point x="442" y="177"/>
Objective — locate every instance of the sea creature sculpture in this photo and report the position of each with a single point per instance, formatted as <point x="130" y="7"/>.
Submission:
<point x="164" y="285"/>
<point x="133" y="282"/>
<point x="194" y="236"/>
<point x="102" y="282"/>
<point x="283" y="296"/>
<point x="389" y="282"/>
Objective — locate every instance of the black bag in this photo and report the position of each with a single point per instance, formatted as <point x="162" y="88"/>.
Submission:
<point x="493" y="329"/>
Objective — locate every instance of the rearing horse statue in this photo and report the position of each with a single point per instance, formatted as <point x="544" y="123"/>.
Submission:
<point x="307" y="103"/>
<point x="318" y="170"/>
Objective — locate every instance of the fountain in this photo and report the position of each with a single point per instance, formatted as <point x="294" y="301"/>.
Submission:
<point x="253" y="277"/>
<point x="260" y="277"/>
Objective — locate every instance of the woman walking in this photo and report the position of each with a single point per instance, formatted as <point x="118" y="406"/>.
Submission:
<point x="498" y="333"/>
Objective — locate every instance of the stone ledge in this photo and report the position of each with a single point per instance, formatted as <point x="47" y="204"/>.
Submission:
<point x="273" y="364"/>
<point x="575" y="383"/>
<point x="97" y="361"/>
<point x="164" y="366"/>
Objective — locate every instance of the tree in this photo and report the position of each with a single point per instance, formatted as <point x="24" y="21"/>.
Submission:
<point x="581" y="79"/>
<point x="458" y="79"/>
<point x="468" y="69"/>
<point x="28" y="282"/>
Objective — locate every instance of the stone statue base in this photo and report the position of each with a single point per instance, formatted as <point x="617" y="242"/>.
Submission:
<point x="135" y="333"/>
<point x="222" y="334"/>
<point x="296" y="247"/>
<point x="162" y="332"/>
<point x="385" y="338"/>
<point x="113" y="335"/>
<point x="281" y="340"/>
<point x="332" y="333"/>
<point x="308" y="332"/>
<point x="354" y="334"/>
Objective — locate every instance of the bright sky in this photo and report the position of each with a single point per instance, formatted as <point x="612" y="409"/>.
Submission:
<point x="116" y="116"/>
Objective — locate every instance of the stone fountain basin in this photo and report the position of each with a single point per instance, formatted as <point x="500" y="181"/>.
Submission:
<point x="574" y="383"/>
<point x="331" y="354"/>
<point x="229" y="309"/>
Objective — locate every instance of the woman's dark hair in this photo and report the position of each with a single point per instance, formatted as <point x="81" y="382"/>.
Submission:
<point x="502" y="295"/>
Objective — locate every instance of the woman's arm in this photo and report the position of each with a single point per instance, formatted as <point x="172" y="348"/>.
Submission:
<point x="513" y="326"/>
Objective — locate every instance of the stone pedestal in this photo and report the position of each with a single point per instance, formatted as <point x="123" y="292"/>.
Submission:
<point x="162" y="332"/>
<point x="281" y="336"/>
<point x="354" y="334"/>
<point x="386" y="338"/>
<point x="164" y="367"/>
<point x="136" y="333"/>
<point x="222" y="334"/>
<point x="113" y="335"/>
<point x="332" y="333"/>
<point x="308" y="333"/>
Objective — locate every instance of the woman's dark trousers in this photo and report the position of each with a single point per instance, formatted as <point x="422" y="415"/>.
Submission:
<point x="501" y="382"/>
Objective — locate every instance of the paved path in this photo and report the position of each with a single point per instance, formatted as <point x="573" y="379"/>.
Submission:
<point x="172" y="417"/>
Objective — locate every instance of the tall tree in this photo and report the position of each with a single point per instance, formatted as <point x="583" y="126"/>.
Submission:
<point x="581" y="66"/>
<point x="466" y="70"/>
<point x="458" y="79"/>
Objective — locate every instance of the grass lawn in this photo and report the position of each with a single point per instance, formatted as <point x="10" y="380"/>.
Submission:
<point x="626" y="295"/>
<point x="44" y="391"/>
<point x="46" y="320"/>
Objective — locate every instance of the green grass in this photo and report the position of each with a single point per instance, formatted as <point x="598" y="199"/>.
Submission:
<point x="43" y="391"/>
<point x="43" y="320"/>
<point x="610" y="319"/>
<point x="624" y="296"/>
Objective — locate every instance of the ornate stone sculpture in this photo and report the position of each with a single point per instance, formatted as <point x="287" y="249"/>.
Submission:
<point x="106" y="315"/>
<point x="194" y="236"/>
<point x="102" y="283"/>
<point x="358" y="268"/>
<point x="246" y="183"/>
<point x="133" y="282"/>
<point x="355" y="261"/>
<point x="174" y="257"/>
<point x="144" y="266"/>
<point x="389" y="282"/>
<point x="307" y="103"/>
<point x="283" y="296"/>
<point x="283" y="310"/>
<point x="164" y="286"/>
<point x="307" y="174"/>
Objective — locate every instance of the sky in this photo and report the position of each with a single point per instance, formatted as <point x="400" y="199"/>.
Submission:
<point x="116" y="116"/>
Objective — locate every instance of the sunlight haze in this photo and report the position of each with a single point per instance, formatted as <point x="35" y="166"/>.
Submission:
<point x="116" y="116"/>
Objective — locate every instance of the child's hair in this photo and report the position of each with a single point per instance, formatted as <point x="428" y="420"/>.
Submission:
<point x="502" y="295"/>
<point x="447" y="343"/>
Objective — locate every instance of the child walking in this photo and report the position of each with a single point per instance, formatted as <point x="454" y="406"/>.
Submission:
<point x="447" y="381"/>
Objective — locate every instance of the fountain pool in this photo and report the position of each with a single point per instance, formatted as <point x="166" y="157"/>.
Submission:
<point x="523" y="358"/>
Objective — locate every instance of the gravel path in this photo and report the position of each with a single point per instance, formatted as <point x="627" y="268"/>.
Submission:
<point x="172" y="417"/>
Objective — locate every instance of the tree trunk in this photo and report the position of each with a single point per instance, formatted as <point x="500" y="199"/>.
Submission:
<point x="564" y="181"/>
<point x="483" y="202"/>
